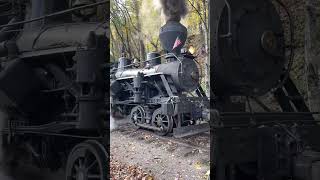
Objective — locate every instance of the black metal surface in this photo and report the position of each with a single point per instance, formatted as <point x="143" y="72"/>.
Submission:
<point x="55" y="129"/>
<point x="20" y="94"/>
<point x="87" y="160"/>
<point x="90" y="79"/>
<point x="241" y="63"/>
<point x="307" y="166"/>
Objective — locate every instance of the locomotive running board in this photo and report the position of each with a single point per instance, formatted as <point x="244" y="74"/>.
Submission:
<point x="190" y="130"/>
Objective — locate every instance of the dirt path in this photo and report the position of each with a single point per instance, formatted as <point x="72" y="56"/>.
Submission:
<point x="163" y="158"/>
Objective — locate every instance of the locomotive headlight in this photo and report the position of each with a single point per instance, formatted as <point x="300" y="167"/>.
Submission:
<point x="192" y="50"/>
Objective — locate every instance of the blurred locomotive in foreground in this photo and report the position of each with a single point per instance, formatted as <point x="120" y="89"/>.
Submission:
<point x="164" y="97"/>
<point x="53" y="85"/>
<point x="252" y="55"/>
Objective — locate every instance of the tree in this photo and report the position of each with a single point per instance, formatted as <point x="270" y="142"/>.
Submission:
<point x="137" y="7"/>
<point x="199" y="16"/>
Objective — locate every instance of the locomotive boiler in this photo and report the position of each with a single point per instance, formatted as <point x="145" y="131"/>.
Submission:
<point x="165" y="95"/>
<point x="52" y="85"/>
<point x="252" y="55"/>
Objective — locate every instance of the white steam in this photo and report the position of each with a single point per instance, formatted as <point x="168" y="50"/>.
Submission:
<point x="157" y="4"/>
<point x="113" y="124"/>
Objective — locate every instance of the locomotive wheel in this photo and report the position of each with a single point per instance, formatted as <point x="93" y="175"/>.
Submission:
<point x="87" y="161"/>
<point x="162" y="121"/>
<point x="137" y="115"/>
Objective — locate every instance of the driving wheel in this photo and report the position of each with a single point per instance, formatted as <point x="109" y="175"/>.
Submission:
<point x="87" y="161"/>
<point x="162" y="121"/>
<point x="137" y="115"/>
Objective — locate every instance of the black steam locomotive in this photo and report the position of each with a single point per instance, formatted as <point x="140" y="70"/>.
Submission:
<point x="163" y="97"/>
<point x="53" y="85"/>
<point x="251" y="55"/>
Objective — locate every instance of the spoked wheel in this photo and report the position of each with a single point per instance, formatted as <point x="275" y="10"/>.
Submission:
<point x="87" y="161"/>
<point x="162" y="121"/>
<point x="137" y="115"/>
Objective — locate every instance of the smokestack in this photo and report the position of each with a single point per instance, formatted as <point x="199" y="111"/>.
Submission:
<point x="173" y="34"/>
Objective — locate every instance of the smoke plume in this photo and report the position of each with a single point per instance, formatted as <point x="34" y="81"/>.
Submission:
<point x="174" y="10"/>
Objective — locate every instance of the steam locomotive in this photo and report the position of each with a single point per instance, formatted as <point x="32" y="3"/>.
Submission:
<point x="164" y="97"/>
<point x="53" y="85"/>
<point x="251" y="55"/>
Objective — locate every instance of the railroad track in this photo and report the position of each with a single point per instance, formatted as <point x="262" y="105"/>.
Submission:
<point x="199" y="142"/>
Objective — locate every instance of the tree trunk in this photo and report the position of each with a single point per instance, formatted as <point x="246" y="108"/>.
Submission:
<point x="201" y="31"/>
<point x="142" y="49"/>
<point x="206" y="38"/>
<point x="312" y="53"/>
